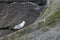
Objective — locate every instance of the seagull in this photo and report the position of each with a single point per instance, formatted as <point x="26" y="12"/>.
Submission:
<point x="21" y="25"/>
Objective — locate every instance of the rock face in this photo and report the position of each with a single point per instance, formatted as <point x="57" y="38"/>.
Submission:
<point x="2" y="6"/>
<point x="4" y="32"/>
<point x="37" y="1"/>
<point x="40" y="2"/>
<point x="16" y="12"/>
<point x="48" y="30"/>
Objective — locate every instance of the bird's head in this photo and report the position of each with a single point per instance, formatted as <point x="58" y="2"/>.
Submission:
<point x="23" y="22"/>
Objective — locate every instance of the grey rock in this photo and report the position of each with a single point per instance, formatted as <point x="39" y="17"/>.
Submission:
<point x="36" y="1"/>
<point x="14" y="13"/>
<point x="52" y="34"/>
<point x="40" y="2"/>
<point x="4" y="32"/>
<point x="2" y="6"/>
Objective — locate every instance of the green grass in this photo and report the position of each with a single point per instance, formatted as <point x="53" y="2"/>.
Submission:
<point x="55" y="15"/>
<point x="50" y="20"/>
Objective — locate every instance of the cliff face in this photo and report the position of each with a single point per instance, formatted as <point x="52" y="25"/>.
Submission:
<point x="46" y="27"/>
<point x="17" y="12"/>
<point x="14" y="13"/>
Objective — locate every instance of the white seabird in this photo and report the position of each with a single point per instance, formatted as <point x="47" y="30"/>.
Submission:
<point x="19" y="26"/>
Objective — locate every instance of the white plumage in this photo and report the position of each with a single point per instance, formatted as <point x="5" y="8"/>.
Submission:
<point x="19" y="26"/>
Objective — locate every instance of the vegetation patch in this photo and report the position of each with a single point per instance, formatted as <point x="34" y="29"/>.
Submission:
<point x="52" y="19"/>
